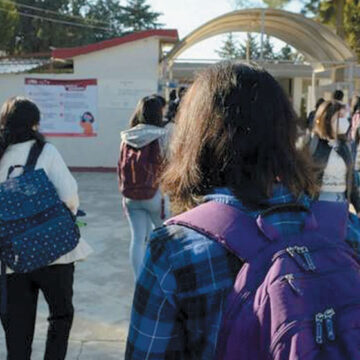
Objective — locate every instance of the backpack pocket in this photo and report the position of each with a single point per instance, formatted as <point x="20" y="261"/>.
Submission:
<point x="43" y="244"/>
<point x="339" y="337"/>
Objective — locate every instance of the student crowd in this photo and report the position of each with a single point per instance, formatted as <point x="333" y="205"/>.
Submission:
<point x="260" y="257"/>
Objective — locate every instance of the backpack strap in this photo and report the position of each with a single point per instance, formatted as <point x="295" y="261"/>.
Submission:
<point x="224" y="224"/>
<point x="33" y="156"/>
<point x="31" y="161"/>
<point x="227" y="225"/>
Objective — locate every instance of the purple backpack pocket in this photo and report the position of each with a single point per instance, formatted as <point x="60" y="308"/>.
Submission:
<point x="296" y="296"/>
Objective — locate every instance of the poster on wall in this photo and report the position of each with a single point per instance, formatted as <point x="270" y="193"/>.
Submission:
<point x="68" y="107"/>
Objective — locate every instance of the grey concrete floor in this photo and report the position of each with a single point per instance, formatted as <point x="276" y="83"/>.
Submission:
<point x="103" y="284"/>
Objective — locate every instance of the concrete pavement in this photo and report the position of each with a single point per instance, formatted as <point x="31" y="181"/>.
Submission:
<point x="103" y="284"/>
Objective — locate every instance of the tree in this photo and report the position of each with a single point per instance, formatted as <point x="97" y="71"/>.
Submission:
<point x="140" y="16"/>
<point x="9" y="19"/>
<point x="268" y="49"/>
<point x="109" y="12"/>
<point x="229" y="49"/>
<point x="43" y="24"/>
<point x="352" y="25"/>
<point x="250" y="49"/>
<point x="330" y="12"/>
<point x="342" y="15"/>
<point x="286" y="53"/>
<point x="36" y="34"/>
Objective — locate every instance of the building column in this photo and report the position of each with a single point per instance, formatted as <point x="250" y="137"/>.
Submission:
<point x="297" y="94"/>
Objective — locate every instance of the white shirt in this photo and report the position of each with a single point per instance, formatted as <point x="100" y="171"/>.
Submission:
<point x="58" y="173"/>
<point x="334" y="179"/>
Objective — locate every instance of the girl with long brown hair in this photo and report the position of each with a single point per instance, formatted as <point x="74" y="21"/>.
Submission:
<point x="234" y="145"/>
<point x="332" y="152"/>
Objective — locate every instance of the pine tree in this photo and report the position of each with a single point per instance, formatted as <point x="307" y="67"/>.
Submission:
<point x="268" y="49"/>
<point x="109" y="12"/>
<point x="286" y="53"/>
<point x="250" y="49"/>
<point x="140" y="16"/>
<point x="229" y="49"/>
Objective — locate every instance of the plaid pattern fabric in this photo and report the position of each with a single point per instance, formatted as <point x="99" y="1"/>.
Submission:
<point x="180" y="295"/>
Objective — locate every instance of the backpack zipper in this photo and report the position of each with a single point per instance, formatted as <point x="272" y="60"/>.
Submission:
<point x="319" y="331"/>
<point x="328" y="315"/>
<point x="290" y="278"/>
<point x="319" y="319"/>
<point x="313" y="250"/>
<point x="304" y="251"/>
<point x="302" y="276"/>
<point x="299" y="254"/>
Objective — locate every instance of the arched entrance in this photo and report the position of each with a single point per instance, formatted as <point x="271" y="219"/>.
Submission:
<point x="321" y="47"/>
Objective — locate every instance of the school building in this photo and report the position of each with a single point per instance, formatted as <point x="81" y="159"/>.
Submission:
<point x="125" y="69"/>
<point x="109" y="77"/>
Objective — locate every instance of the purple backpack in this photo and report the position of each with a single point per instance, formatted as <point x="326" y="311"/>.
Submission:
<point x="296" y="296"/>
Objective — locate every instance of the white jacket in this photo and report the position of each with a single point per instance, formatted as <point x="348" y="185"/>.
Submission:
<point x="58" y="173"/>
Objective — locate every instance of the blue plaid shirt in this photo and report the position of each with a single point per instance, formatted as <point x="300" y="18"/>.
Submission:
<point x="180" y="294"/>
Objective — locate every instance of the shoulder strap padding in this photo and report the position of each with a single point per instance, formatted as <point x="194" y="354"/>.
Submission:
<point x="226" y="225"/>
<point x="231" y="227"/>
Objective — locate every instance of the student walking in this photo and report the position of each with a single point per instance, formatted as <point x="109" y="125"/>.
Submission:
<point x="142" y="153"/>
<point x="245" y="196"/>
<point x="19" y="137"/>
<point x="332" y="152"/>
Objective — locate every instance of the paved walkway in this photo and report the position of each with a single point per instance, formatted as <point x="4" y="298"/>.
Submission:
<point x="103" y="284"/>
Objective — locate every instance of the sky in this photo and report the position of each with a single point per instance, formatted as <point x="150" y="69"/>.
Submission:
<point x="187" y="15"/>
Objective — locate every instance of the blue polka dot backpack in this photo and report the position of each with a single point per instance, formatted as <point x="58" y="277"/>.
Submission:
<point x="36" y="227"/>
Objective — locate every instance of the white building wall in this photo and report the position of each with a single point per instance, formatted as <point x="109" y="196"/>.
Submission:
<point x="124" y="73"/>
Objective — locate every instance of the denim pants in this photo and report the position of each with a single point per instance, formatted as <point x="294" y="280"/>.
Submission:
<point x="56" y="283"/>
<point x="143" y="217"/>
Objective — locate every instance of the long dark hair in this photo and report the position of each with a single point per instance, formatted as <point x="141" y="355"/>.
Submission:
<point x="148" y="111"/>
<point x="235" y="129"/>
<point x="18" y="117"/>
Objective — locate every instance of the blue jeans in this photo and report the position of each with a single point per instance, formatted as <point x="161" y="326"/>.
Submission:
<point x="143" y="217"/>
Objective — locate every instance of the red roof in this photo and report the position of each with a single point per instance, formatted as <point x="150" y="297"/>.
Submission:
<point x="67" y="53"/>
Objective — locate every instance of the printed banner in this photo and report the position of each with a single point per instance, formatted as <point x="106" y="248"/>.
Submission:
<point x="68" y="107"/>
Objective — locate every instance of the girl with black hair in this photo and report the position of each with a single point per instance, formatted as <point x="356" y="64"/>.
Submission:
<point x="19" y="130"/>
